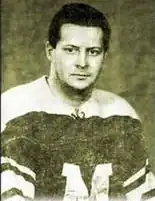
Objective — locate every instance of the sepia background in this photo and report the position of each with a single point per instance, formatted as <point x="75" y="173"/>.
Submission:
<point x="130" y="66"/>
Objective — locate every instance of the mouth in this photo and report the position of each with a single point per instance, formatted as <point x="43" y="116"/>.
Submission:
<point x="80" y="75"/>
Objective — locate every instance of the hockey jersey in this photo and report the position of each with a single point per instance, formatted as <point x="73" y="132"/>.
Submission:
<point x="52" y="151"/>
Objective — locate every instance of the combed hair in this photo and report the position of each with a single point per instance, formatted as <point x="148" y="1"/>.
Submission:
<point x="78" y="14"/>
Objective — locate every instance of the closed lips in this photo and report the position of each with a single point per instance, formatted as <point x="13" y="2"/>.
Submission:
<point x="82" y="75"/>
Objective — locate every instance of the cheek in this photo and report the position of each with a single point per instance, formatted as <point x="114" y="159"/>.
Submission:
<point x="64" y="61"/>
<point x="96" y="64"/>
<point x="64" y="66"/>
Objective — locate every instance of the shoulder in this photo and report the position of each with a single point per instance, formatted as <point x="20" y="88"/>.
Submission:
<point x="19" y="100"/>
<point x="112" y="104"/>
<point x="22" y="90"/>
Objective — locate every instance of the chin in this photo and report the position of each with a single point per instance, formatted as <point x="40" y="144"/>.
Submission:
<point x="81" y="87"/>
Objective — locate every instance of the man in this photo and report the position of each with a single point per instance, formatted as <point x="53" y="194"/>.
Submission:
<point x="64" y="139"/>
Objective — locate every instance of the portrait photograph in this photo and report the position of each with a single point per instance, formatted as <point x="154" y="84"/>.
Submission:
<point x="78" y="100"/>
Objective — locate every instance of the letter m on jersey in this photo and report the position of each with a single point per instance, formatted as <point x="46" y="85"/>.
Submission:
<point x="76" y="188"/>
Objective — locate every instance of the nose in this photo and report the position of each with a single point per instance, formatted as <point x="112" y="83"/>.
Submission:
<point x="82" y="59"/>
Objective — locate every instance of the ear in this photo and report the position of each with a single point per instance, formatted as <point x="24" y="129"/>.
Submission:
<point x="48" y="50"/>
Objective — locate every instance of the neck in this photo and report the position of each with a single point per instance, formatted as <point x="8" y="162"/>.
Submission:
<point x="71" y="96"/>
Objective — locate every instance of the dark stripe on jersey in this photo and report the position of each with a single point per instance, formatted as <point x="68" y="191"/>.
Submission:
<point x="148" y="168"/>
<point x="149" y="194"/>
<point x="8" y="166"/>
<point x="12" y="192"/>
<point x="135" y="184"/>
<point x="138" y="182"/>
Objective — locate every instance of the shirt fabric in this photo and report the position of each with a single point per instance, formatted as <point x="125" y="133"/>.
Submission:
<point x="53" y="151"/>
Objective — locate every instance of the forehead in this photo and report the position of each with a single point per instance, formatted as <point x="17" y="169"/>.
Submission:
<point x="81" y="35"/>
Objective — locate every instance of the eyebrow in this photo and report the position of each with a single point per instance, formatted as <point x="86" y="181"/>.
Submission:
<point x="74" y="46"/>
<point x="88" y="48"/>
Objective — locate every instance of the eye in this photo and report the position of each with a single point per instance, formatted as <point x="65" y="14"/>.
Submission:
<point x="94" y="52"/>
<point x="70" y="50"/>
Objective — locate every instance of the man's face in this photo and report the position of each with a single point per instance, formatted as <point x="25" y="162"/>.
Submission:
<point x="78" y="56"/>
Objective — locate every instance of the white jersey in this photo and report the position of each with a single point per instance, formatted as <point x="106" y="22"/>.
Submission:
<point x="96" y="167"/>
<point x="37" y="96"/>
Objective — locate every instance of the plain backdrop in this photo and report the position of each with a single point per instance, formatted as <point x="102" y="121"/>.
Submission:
<point x="130" y="66"/>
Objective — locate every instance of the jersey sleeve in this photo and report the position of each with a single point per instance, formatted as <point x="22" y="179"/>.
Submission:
<point x="140" y="184"/>
<point x="17" y="172"/>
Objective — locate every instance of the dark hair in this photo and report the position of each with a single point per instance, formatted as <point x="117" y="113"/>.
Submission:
<point x="79" y="14"/>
